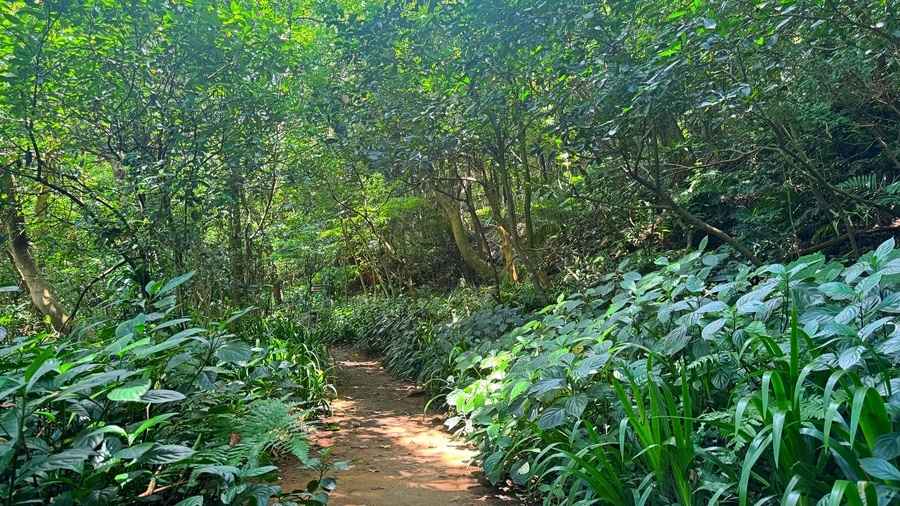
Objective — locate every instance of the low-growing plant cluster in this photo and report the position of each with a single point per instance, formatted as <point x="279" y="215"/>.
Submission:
<point x="419" y="337"/>
<point x="158" y="409"/>
<point x="704" y="381"/>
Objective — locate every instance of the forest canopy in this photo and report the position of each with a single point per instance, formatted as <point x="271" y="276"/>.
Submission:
<point x="337" y="143"/>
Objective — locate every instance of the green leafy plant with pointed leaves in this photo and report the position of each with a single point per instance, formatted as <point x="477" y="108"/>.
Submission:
<point x="151" y="408"/>
<point x="704" y="381"/>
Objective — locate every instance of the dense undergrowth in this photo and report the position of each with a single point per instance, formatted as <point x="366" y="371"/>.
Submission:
<point x="694" y="380"/>
<point x="160" y="409"/>
<point x="418" y="337"/>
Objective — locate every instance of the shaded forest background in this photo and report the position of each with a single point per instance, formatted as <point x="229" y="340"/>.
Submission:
<point x="387" y="147"/>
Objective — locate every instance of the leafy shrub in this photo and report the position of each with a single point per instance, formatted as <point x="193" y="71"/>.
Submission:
<point x="154" y="408"/>
<point x="704" y="381"/>
<point x="293" y="361"/>
<point x="418" y="337"/>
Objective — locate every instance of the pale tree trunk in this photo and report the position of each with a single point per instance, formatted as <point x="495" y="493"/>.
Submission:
<point x="506" y="251"/>
<point x="469" y="254"/>
<point x="235" y="237"/>
<point x="509" y="234"/>
<point x="506" y="248"/>
<point x="42" y="294"/>
<point x="42" y="203"/>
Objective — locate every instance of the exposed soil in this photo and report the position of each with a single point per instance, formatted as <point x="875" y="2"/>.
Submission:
<point x="398" y="455"/>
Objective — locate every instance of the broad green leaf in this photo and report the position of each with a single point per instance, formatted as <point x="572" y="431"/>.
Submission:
<point x="133" y="452"/>
<point x="552" y="418"/>
<point x="39" y="361"/>
<point x="884" y="249"/>
<point x="548" y="385"/>
<point x="711" y="329"/>
<point x="72" y="459"/>
<point x="837" y="290"/>
<point x="868" y="283"/>
<point x="590" y="365"/>
<point x="44" y="367"/>
<point x="850" y="357"/>
<point x="130" y="392"/>
<point x="575" y="405"/>
<point x="880" y="468"/>
<point x="888" y="446"/>
<point x="166" y="454"/>
<point x="234" y="352"/>
<point x="161" y="396"/>
<point x="174" y="283"/>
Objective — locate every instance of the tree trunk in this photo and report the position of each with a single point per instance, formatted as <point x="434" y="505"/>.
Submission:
<point x="479" y="228"/>
<point x="42" y="295"/>
<point x="469" y="254"/>
<point x="509" y="256"/>
<point x="666" y="200"/>
<point x="526" y="172"/>
<point x="541" y="282"/>
<point x="235" y="238"/>
<point x="503" y="187"/>
<point x="506" y="249"/>
<point x="277" y="289"/>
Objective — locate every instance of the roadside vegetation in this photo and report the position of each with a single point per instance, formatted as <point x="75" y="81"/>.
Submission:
<point x="639" y="252"/>
<point x="695" y="380"/>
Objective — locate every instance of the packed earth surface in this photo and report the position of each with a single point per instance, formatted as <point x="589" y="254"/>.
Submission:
<point x="398" y="453"/>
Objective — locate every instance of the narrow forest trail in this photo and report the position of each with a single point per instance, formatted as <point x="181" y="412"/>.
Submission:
<point x="398" y="455"/>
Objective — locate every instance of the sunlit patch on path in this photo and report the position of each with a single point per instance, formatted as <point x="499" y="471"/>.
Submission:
<point x="398" y="455"/>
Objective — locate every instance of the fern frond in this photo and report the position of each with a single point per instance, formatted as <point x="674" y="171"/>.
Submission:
<point x="273" y="426"/>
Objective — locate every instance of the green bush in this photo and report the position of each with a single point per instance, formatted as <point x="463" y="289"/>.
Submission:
<point x="156" y="408"/>
<point x="702" y="382"/>
<point x="418" y="337"/>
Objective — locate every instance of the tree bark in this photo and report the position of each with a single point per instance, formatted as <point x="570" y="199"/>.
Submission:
<point x="506" y="249"/>
<point x="235" y="237"/>
<point x="667" y="201"/>
<point x="469" y="254"/>
<point x="42" y="294"/>
<point x="526" y="172"/>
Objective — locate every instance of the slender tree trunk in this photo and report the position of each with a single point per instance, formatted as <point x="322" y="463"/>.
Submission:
<point x="503" y="186"/>
<point x="235" y="237"/>
<point x="479" y="228"/>
<point x="42" y="202"/>
<point x="277" y="292"/>
<point x="468" y="253"/>
<point x="506" y="249"/>
<point x="508" y="253"/>
<point x="526" y="172"/>
<point x="540" y="279"/>
<point x="666" y="200"/>
<point x="42" y="294"/>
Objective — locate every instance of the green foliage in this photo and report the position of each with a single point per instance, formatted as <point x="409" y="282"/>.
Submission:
<point x="704" y="381"/>
<point x="296" y="362"/>
<point x="156" y="407"/>
<point x="327" y="156"/>
<point x="418" y="338"/>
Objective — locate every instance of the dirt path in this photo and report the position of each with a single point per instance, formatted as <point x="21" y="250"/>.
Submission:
<point x="398" y="456"/>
